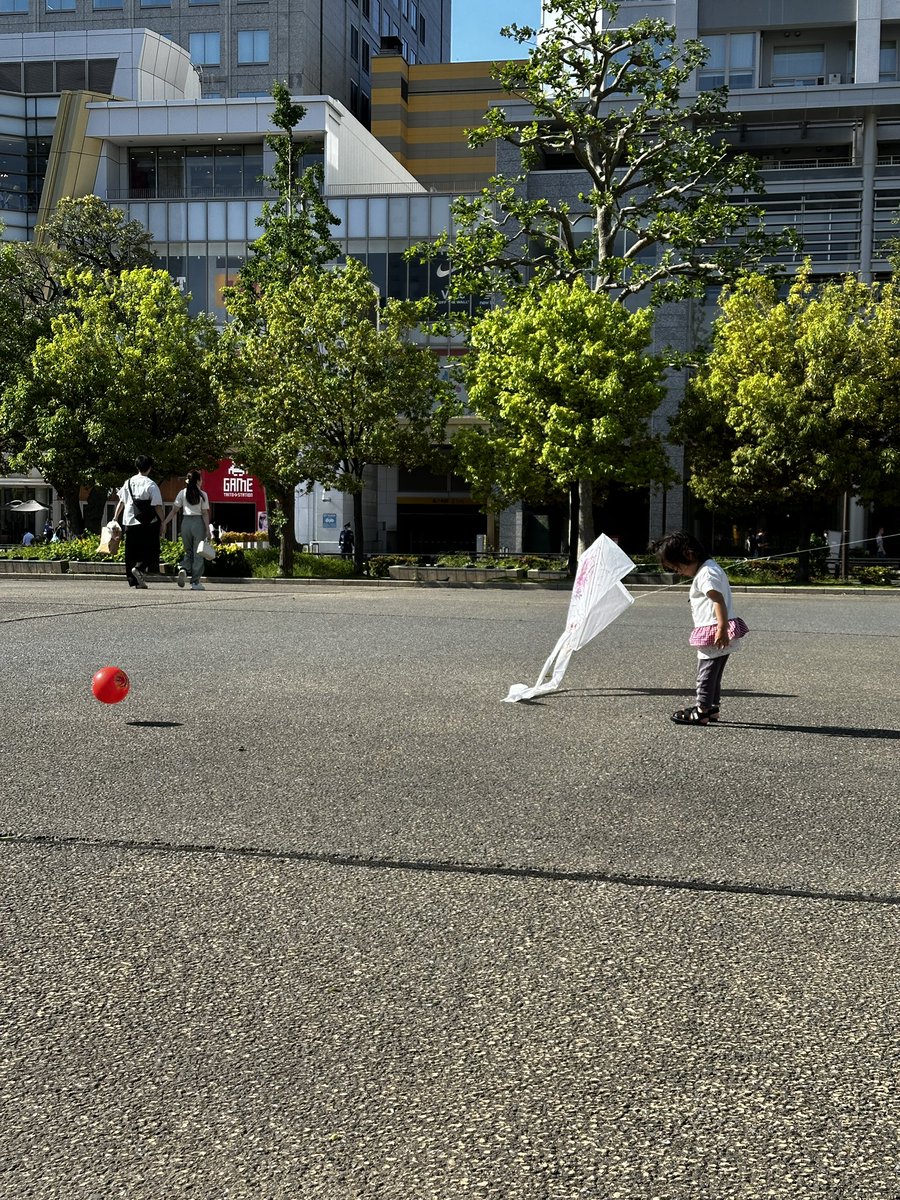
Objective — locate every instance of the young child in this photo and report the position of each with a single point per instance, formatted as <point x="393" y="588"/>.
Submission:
<point x="716" y="632"/>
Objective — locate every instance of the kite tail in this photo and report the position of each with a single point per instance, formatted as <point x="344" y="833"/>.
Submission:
<point x="550" y="677"/>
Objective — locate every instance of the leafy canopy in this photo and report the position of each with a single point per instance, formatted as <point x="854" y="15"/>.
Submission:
<point x="122" y="371"/>
<point x="799" y="397"/>
<point x="665" y="206"/>
<point x="322" y="390"/>
<point x="564" y="390"/>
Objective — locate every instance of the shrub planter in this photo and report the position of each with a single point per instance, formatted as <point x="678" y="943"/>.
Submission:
<point x="97" y="568"/>
<point x="33" y="566"/>
<point x="455" y="574"/>
<point x="660" y="577"/>
<point x="547" y="576"/>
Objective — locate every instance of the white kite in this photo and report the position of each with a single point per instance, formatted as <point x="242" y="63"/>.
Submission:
<point x="598" y="597"/>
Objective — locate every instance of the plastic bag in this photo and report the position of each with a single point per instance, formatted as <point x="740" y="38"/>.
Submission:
<point x="110" y="538"/>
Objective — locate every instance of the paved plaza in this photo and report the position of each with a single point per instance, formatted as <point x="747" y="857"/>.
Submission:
<point x="312" y="915"/>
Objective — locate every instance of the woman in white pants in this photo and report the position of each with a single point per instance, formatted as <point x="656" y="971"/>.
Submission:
<point x="193" y="504"/>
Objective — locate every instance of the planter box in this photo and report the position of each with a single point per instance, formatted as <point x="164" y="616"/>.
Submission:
<point x="664" y="577"/>
<point x="547" y="576"/>
<point x="97" y="568"/>
<point x="455" y="574"/>
<point x="33" y="566"/>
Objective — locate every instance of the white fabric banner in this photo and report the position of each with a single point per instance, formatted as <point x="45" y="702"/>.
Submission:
<point x="598" y="597"/>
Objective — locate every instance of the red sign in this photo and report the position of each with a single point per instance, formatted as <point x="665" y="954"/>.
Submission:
<point x="230" y="483"/>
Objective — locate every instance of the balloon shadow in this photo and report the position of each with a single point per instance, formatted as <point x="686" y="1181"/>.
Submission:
<point x="155" y="724"/>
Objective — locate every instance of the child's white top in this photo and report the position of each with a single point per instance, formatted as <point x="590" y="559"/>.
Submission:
<point x="711" y="578"/>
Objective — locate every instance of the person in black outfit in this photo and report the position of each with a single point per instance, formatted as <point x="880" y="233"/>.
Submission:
<point x="141" y="509"/>
<point x="345" y="541"/>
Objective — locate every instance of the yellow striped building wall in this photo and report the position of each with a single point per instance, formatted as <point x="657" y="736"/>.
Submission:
<point x="421" y="113"/>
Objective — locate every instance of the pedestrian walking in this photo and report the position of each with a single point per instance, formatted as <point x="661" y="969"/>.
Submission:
<point x="716" y="634"/>
<point x="193" y="503"/>
<point x="879" y="544"/>
<point x="345" y="541"/>
<point x="141" y="511"/>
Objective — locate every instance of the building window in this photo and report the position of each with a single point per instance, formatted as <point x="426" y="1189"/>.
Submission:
<point x="887" y="67"/>
<point x="414" y="17"/>
<point x="354" y="97"/>
<point x="205" y="49"/>
<point x="60" y="5"/>
<point x="366" y="56"/>
<point x="367" y="10"/>
<point x="798" y="66"/>
<point x="156" y="3"/>
<point x="731" y="62"/>
<point x="13" y="6"/>
<point x="421" y="27"/>
<point x="193" y="2"/>
<point x="354" y="43"/>
<point x="107" y="4"/>
<point x="253" y="46"/>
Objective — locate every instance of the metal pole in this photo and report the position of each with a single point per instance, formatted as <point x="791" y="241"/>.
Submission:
<point x="845" y="537"/>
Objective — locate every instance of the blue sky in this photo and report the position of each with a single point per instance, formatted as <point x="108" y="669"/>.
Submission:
<point x="476" y="26"/>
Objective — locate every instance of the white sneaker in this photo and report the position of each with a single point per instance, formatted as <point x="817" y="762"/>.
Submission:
<point x="182" y="576"/>
<point x="197" y="587"/>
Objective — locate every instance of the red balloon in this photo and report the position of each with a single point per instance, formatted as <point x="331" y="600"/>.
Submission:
<point x="110" y="685"/>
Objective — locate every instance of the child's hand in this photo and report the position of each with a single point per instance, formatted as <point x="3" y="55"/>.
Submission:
<point x="722" y="639"/>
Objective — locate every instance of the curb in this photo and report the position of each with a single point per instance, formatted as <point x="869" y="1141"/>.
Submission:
<point x="493" y="585"/>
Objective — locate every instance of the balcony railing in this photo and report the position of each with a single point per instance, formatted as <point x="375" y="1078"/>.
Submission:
<point x="211" y="191"/>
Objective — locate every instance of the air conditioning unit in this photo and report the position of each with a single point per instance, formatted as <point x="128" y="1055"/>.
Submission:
<point x="835" y="79"/>
<point x="820" y="81"/>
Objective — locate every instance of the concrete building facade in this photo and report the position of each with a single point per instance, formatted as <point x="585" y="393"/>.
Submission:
<point x="238" y="47"/>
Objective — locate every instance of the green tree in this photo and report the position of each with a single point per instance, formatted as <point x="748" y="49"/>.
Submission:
<point x="799" y="397"/>
<point x="82" y="234"/>
<point x="297" y="224"/>
<point x="296" y="238"/>
<point x="565" y="389"/>
<point x="319" y="390"/>
<point x="122" y="371"/>
<point x="665" y="211"/>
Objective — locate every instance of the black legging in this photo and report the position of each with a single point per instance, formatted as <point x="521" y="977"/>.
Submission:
<point x="709" y="681"/>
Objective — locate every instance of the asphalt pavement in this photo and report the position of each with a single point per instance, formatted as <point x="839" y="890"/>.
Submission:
<point x="312" y="915"/>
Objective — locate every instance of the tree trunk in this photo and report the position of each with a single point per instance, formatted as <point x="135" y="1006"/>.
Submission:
<point x="285" y="499"/>
<point x="72" y="510"/>
<point x="573" y="528"/>
<point x="585" y="515"/>
<point x="93" y="509"/>
<point x="359" y="549"/>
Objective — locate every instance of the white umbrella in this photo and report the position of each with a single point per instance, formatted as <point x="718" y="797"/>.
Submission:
<point x="27" y="506"/>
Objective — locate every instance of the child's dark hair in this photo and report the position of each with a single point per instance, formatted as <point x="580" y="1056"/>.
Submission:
<point x="679" y="549"/>
<point x="192" y="488"/>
